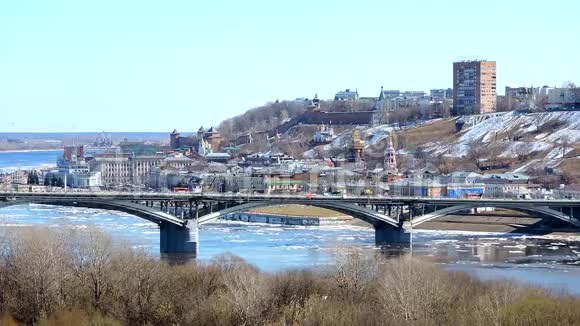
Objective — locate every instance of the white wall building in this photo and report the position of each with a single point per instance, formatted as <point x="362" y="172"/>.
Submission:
<point x="119" y="170"/>
<point x="503" y="188"/>
<point x="78" y="174"/>
<point x="563" y="98"/>
<point x="569" y="192"/>
<point x="346" y="95"/>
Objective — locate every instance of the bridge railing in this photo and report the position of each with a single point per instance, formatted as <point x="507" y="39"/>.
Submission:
<point x="251" y="197"/>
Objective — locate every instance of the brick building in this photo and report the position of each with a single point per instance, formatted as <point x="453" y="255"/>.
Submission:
<point x="205" y="141"/>
<point x="474" y="87"/>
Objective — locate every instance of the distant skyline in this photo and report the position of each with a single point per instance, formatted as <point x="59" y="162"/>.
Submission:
<point x="72" y="66"/>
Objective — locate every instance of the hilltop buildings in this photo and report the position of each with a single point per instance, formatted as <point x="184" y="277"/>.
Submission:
<point x="542" y="98"/>
<point x="324" y="134"/>
<point x="474" y="87"/>
<point x="314" y="115"/>
<point x="565" y="98"/>
<point x="204" y="142"/>
<point x="523" y="98"/>
<point x="441" y="94"/>
<point x="393" y="100"/>
<point x="346" y="95"/>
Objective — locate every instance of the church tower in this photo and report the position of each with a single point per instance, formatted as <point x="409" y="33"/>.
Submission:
<point x="380" y="114"/>
<point x="390" y="156"/>
<point x="381" y="100"/>
<point x="314" y="104"/>
<point x="356" y="147"/>
<point x="201" y="132"/>
<point x="174" y="139"/>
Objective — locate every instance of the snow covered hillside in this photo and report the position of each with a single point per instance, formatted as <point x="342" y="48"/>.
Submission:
<point x="550" y="135"/>
<point x="538" y="137"/>
<point x="372" y="137"/>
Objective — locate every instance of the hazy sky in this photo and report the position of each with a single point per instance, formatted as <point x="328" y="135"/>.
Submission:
<point x="158" y="65"/>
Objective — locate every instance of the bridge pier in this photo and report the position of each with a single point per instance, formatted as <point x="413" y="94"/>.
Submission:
<point x="179" y="240"/>
<point x="387" y="234"/>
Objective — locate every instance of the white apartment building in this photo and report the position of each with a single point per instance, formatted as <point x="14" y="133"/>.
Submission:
<point x="119" y="170"/>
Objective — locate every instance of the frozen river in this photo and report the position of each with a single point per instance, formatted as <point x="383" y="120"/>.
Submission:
<point x="553" y="263"/>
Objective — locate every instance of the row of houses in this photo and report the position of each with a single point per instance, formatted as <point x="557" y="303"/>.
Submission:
<point x="308" y="177"/>
<point x="548" y="98"/>
<point x="467" y="185"/>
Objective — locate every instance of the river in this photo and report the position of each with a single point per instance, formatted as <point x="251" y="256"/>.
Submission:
<point x="550" y="262"/>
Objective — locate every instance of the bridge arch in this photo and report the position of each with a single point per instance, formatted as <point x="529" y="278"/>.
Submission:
<point x="128" y="207"/>
<point x="543" y="211"/>
<point x="368" y="215"/>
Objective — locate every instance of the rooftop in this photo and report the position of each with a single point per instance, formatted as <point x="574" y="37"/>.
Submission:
<point x="220" y="155"/>
<point x="571" y="187"/>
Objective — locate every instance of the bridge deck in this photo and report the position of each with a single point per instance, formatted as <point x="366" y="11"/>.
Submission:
<point x="146" y="196"/>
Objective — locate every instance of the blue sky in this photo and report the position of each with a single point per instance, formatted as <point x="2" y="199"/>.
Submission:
<point x="158" y="65"/>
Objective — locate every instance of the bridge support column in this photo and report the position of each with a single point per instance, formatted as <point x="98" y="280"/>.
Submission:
<point x="179" y="240"/>
<point x="387" y="234"/>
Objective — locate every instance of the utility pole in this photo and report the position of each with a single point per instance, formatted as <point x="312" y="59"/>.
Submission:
<point x="411" y="230"/>
<point x="411" y="237"/>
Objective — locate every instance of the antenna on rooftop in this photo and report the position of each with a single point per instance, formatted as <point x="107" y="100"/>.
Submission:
<point x="469" y="58"/>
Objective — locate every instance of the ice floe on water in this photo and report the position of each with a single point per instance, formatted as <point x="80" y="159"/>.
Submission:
<point x="274" y="247"/>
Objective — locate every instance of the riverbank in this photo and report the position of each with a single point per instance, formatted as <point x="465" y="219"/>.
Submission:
<point x="30" y="150"/>
<point x="34" y="147"/>
<point x="292" y="214"/>
<point x="133" y="288"/>
<point x="294" y="210"/>
<point x="277" y="248"/>
<point x="496" y="221"/>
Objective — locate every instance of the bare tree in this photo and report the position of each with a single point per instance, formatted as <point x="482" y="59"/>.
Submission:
<point x="134" y="284"/>
<point x="564" y="143"/>
<point x="476" y="152"/>
<point x="523" y="151"/>
<point x="90" y="259"/>
<point x="34" y="273"/>
<point x="539" y="102"/>
<point x="355" y="274"/>
<point x="414" y="290"/>
<point x="245" y="289"/>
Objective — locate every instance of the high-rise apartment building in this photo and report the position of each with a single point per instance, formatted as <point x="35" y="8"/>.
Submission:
<point x="474" y="87"/>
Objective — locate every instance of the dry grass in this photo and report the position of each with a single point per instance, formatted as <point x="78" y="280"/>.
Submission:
<point x="570" y="166"/>
<point x="44" y="280"/>
<point x="436" y="131"/>
<point x="297" y="210"/>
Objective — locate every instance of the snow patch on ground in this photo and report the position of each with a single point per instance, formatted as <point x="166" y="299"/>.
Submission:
<point x="502" y="129"/>
<point x="513" y="133"/>
<point x="377" y="134"/>
<point x="371" y="136"/>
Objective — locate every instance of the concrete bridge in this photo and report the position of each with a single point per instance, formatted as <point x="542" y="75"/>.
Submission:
<point x="180" y="214"/>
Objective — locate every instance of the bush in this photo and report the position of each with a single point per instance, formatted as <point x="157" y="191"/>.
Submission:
<point x="542" y="309"/>
<point x="77" y="318"/>
<point x="84" y="278"/>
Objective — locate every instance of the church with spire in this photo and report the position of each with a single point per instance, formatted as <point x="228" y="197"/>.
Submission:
<point x="390" y="157"/>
